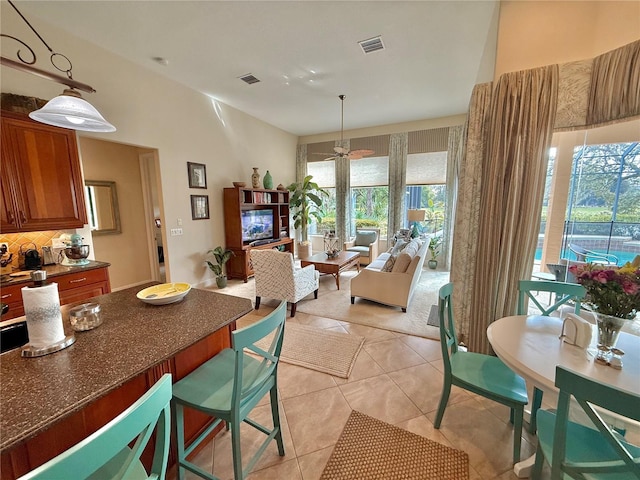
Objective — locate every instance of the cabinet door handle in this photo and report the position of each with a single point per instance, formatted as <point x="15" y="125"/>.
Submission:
<point x="23" y="217"/>
<point x="83" y="279"/>
<point x="7" y="295"/>
<point x="12" y="218"/>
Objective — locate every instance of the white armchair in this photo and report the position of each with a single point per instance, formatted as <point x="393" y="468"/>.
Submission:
<point x="366" y="244"/>
<point x="277" y="277"/>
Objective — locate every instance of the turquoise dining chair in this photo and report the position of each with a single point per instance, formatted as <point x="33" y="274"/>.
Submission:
<point x="106" y="454"/>
<point x="481" y="374"/>
<point x="229" y="386"/>
<point x="564" y="293"/>
<point x="586" y="451"/>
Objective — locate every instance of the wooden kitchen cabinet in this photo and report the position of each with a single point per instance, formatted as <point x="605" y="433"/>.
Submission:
<point x="41" y="184"/>
<point x="72" y="287"/>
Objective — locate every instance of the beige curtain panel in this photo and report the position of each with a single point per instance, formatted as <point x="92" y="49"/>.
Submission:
<point x="467" y="212"/>
<point x="615" y="85"/>
<point x="522" y="113"/>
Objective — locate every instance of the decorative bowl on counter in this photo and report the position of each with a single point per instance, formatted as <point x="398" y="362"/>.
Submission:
<point x="164" y="293"/>
<point x="239" y="184"/>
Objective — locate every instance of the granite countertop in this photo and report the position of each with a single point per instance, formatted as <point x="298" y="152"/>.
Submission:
<point x="53" y="271"/>
<point x="134" y="336"/>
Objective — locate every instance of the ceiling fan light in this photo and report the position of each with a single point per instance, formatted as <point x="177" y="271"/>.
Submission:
<point x="69" y="110"/>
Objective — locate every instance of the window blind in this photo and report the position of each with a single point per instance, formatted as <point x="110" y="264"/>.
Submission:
<point x="427" y="168"/>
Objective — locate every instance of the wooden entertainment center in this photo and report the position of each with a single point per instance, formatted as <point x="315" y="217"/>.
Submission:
<point x="254" y="218"/>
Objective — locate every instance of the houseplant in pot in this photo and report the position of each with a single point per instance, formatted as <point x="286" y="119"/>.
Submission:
<point x="305" y="201"/>
<point x="221" y="257"/>
<point x="435" y="243"/>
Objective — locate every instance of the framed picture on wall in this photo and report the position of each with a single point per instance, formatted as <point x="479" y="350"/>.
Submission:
<point x="199" y="207"/>
<point x="197" y="175"/>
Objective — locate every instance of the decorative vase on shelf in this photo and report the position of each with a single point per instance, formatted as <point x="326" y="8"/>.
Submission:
<point x="255" y="178"/>
<point x="267" y="181"/>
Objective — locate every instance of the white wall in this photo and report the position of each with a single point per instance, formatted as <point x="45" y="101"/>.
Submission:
<point x="151" y="111"/>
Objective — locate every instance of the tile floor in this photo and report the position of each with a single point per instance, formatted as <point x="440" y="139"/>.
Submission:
<point x="397" y="378"/>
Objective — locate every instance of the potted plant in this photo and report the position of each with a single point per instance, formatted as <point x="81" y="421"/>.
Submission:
<point x="305" y="201"/>
<point x="435" y="243"/>
<point x="221" y="256"/>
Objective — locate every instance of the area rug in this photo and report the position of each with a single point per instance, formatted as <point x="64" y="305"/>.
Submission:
<point x="336" y="304"/>
<point x="334" y="353"/>
<point x="434" y="318"/>
<point x="375" y="450"/>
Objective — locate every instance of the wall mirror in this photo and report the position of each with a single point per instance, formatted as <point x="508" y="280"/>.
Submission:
<point x="102" y="207"/>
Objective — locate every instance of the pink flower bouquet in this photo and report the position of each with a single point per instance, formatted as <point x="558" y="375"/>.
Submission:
<point x="613" y="291"/>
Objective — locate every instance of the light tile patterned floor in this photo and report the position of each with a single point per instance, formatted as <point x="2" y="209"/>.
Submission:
<point x="397" y="378"/>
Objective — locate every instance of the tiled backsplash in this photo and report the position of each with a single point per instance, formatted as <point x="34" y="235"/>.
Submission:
<point x="15" y="240"/>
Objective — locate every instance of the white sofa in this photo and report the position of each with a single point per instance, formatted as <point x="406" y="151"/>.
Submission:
<point x="393" y="287"/>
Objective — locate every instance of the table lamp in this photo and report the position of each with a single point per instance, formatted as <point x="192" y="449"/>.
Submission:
<point x="415" y="216"/>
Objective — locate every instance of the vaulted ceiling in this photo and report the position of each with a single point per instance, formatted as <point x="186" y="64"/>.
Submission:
<point x="305" y="53"/>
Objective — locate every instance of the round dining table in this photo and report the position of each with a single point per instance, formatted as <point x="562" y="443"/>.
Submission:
<point x="532" y="347"/>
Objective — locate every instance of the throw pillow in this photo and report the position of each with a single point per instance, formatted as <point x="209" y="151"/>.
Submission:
<point x="388" y="265"/>
<point x="365" y="237"/>
<point x="401" y="264"/>
<point x="412" y="248"/>
<point x="398" y="247"/>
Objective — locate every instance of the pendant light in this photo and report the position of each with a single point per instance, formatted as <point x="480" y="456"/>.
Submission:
<point x="68" y="110"/>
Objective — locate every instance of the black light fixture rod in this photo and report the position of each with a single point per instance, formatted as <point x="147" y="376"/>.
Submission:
<point x="26" y="65"/>
<point x="70" y="82"/>
<point x="30" y="26"/>
<point x="341" y="97"/>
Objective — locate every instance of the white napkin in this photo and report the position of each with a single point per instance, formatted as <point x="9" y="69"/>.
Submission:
<point x="577" y="330"/>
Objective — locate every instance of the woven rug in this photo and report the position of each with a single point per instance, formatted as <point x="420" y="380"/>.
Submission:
<point x="334" y="353"/>
<point x="434" y="319"/>
<point x="374" y="450"/>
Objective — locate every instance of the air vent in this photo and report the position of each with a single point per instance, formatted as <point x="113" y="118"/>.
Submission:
<point x="372" y="45"/>
<point x="249" y="78"/>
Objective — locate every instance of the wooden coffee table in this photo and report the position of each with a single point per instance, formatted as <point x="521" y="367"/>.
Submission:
<point x="333" y="266"/>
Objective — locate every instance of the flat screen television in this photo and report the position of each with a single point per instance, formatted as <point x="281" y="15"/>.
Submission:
<point x="257" y="225"/>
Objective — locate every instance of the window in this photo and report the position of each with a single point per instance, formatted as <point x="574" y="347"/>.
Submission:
<point x="324" y="174"/>
<point x="370" y="193"/>
<point x="426" y="188"/>
<point x="603" y="212"/>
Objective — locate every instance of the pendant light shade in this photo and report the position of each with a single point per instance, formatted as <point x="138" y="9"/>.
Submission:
<point x="69" y="110"/>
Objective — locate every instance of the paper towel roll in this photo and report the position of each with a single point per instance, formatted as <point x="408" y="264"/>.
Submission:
<point x="42" y="312"/>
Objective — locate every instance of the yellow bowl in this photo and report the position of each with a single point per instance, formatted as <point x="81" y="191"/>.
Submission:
<point x="164" y="293"/>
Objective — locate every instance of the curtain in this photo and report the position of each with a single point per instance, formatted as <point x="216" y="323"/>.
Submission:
<point x="615" y="85"/>
<point x="301" y="163"/>
<point x="343" y="195"/>
<point x="455" y="151"/>
<point x="465" y="221"/>
<point x="523" y="108"/>
<point x="397" y="180"/>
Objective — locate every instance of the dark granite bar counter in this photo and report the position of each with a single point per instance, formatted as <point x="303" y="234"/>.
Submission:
<point x="134" y="337"/>
<point x="52" y="272"/>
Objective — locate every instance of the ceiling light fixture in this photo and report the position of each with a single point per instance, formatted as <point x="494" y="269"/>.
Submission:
<point x="68" y="110"/>
<point x="341" y="151"/>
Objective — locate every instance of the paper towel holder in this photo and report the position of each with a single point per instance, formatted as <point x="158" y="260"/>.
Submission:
<point x="39" y="278"/>
<point x="29" y="351"/>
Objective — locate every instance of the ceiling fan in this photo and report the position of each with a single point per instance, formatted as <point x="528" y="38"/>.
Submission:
<point x="340" y="152"/>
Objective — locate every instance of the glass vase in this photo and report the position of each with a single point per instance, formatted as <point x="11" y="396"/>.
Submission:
<point x="608" y="329"/>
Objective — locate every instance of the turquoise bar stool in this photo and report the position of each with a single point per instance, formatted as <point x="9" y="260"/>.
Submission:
<point x="564" y="293"/>
<point x="229" y="386"/>
<point x="106" y="454"/>
<point x="478" y="373"/>
<point x="587" y="451"/>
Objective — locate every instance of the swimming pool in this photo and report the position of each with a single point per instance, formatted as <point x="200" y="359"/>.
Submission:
<point x="623" y="257"/>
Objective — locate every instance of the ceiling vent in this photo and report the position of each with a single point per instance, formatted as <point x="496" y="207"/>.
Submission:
<point x="249" y="78"/>
<point x="372" y="45"/>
